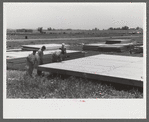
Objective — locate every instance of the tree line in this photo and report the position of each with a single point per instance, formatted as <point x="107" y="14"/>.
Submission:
<point x="40" y="29"/>
<point x="123" y="28"/>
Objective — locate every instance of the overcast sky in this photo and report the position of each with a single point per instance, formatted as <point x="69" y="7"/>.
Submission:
<point x="73" y="15"/>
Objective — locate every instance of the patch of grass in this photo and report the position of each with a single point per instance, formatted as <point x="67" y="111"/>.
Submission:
<point x="20" y="85"/>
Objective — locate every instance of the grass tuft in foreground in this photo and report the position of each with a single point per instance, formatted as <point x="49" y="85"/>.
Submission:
<point x="20" y="85"/>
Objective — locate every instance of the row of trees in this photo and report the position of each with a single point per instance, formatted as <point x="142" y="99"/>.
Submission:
<point x="123" y="28"/>
<point x="40" y="29"/>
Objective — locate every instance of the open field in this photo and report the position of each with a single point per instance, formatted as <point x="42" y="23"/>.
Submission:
<point x="71" y="34"/>
<point x="21" y="86"/>
<point x="12" y="44"/>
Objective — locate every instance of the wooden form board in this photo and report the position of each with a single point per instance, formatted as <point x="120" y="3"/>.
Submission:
<point x="119" y="69"/>
<point x="38" y="46"/>
<point x="17" y="60"/>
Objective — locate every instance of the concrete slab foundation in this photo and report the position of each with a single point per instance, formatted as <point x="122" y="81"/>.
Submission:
<point x="118" y="69"/>
<point x="17" y="60"/>
<point x="38" y="46"/>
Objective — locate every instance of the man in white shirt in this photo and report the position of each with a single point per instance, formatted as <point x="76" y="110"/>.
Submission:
<point x="31" y="58"/>
<point x="40" y="58"/>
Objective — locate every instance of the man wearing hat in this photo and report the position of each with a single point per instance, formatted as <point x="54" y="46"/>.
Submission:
<point x="59" y="56"/>
<point x="63" y="51"/>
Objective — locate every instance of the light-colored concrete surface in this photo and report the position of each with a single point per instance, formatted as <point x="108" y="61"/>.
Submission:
<point x="22" y="54"/>
<point x="107" y="45"/>
<point x="17" y="60"/>
<point x="48" y="46"/>
<point x="117" y="68"/>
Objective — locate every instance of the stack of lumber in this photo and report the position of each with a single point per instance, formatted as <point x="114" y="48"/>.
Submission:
<point x="37" y="47"/>
<point x="112" y="68"/>
<point x="17" y="60"/>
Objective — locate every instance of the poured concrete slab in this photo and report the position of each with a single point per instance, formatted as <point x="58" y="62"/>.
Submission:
<point x="112" y="45"/>
<point x="108" y="47"/>
<point x="119" y="69"/>
<point x="17" y="60"/>
<point x="38" y="46"/>
<point x="21" y="54"/>
<point x="14" y="50"/>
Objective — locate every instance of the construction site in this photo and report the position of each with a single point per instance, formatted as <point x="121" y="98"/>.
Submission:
<point x="67" y="60"/>
<point x="75" y="50"/>
<point x="117" y="62"/>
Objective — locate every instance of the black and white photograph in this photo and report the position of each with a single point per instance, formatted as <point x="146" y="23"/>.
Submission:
<point x="88" y="58"/>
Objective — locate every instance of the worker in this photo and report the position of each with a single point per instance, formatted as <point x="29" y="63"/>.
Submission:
<point x="63" y="51"/>
<point x="31" y="59"/>
<point x="59" y="56"/>
<point x="40" y="58"/>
